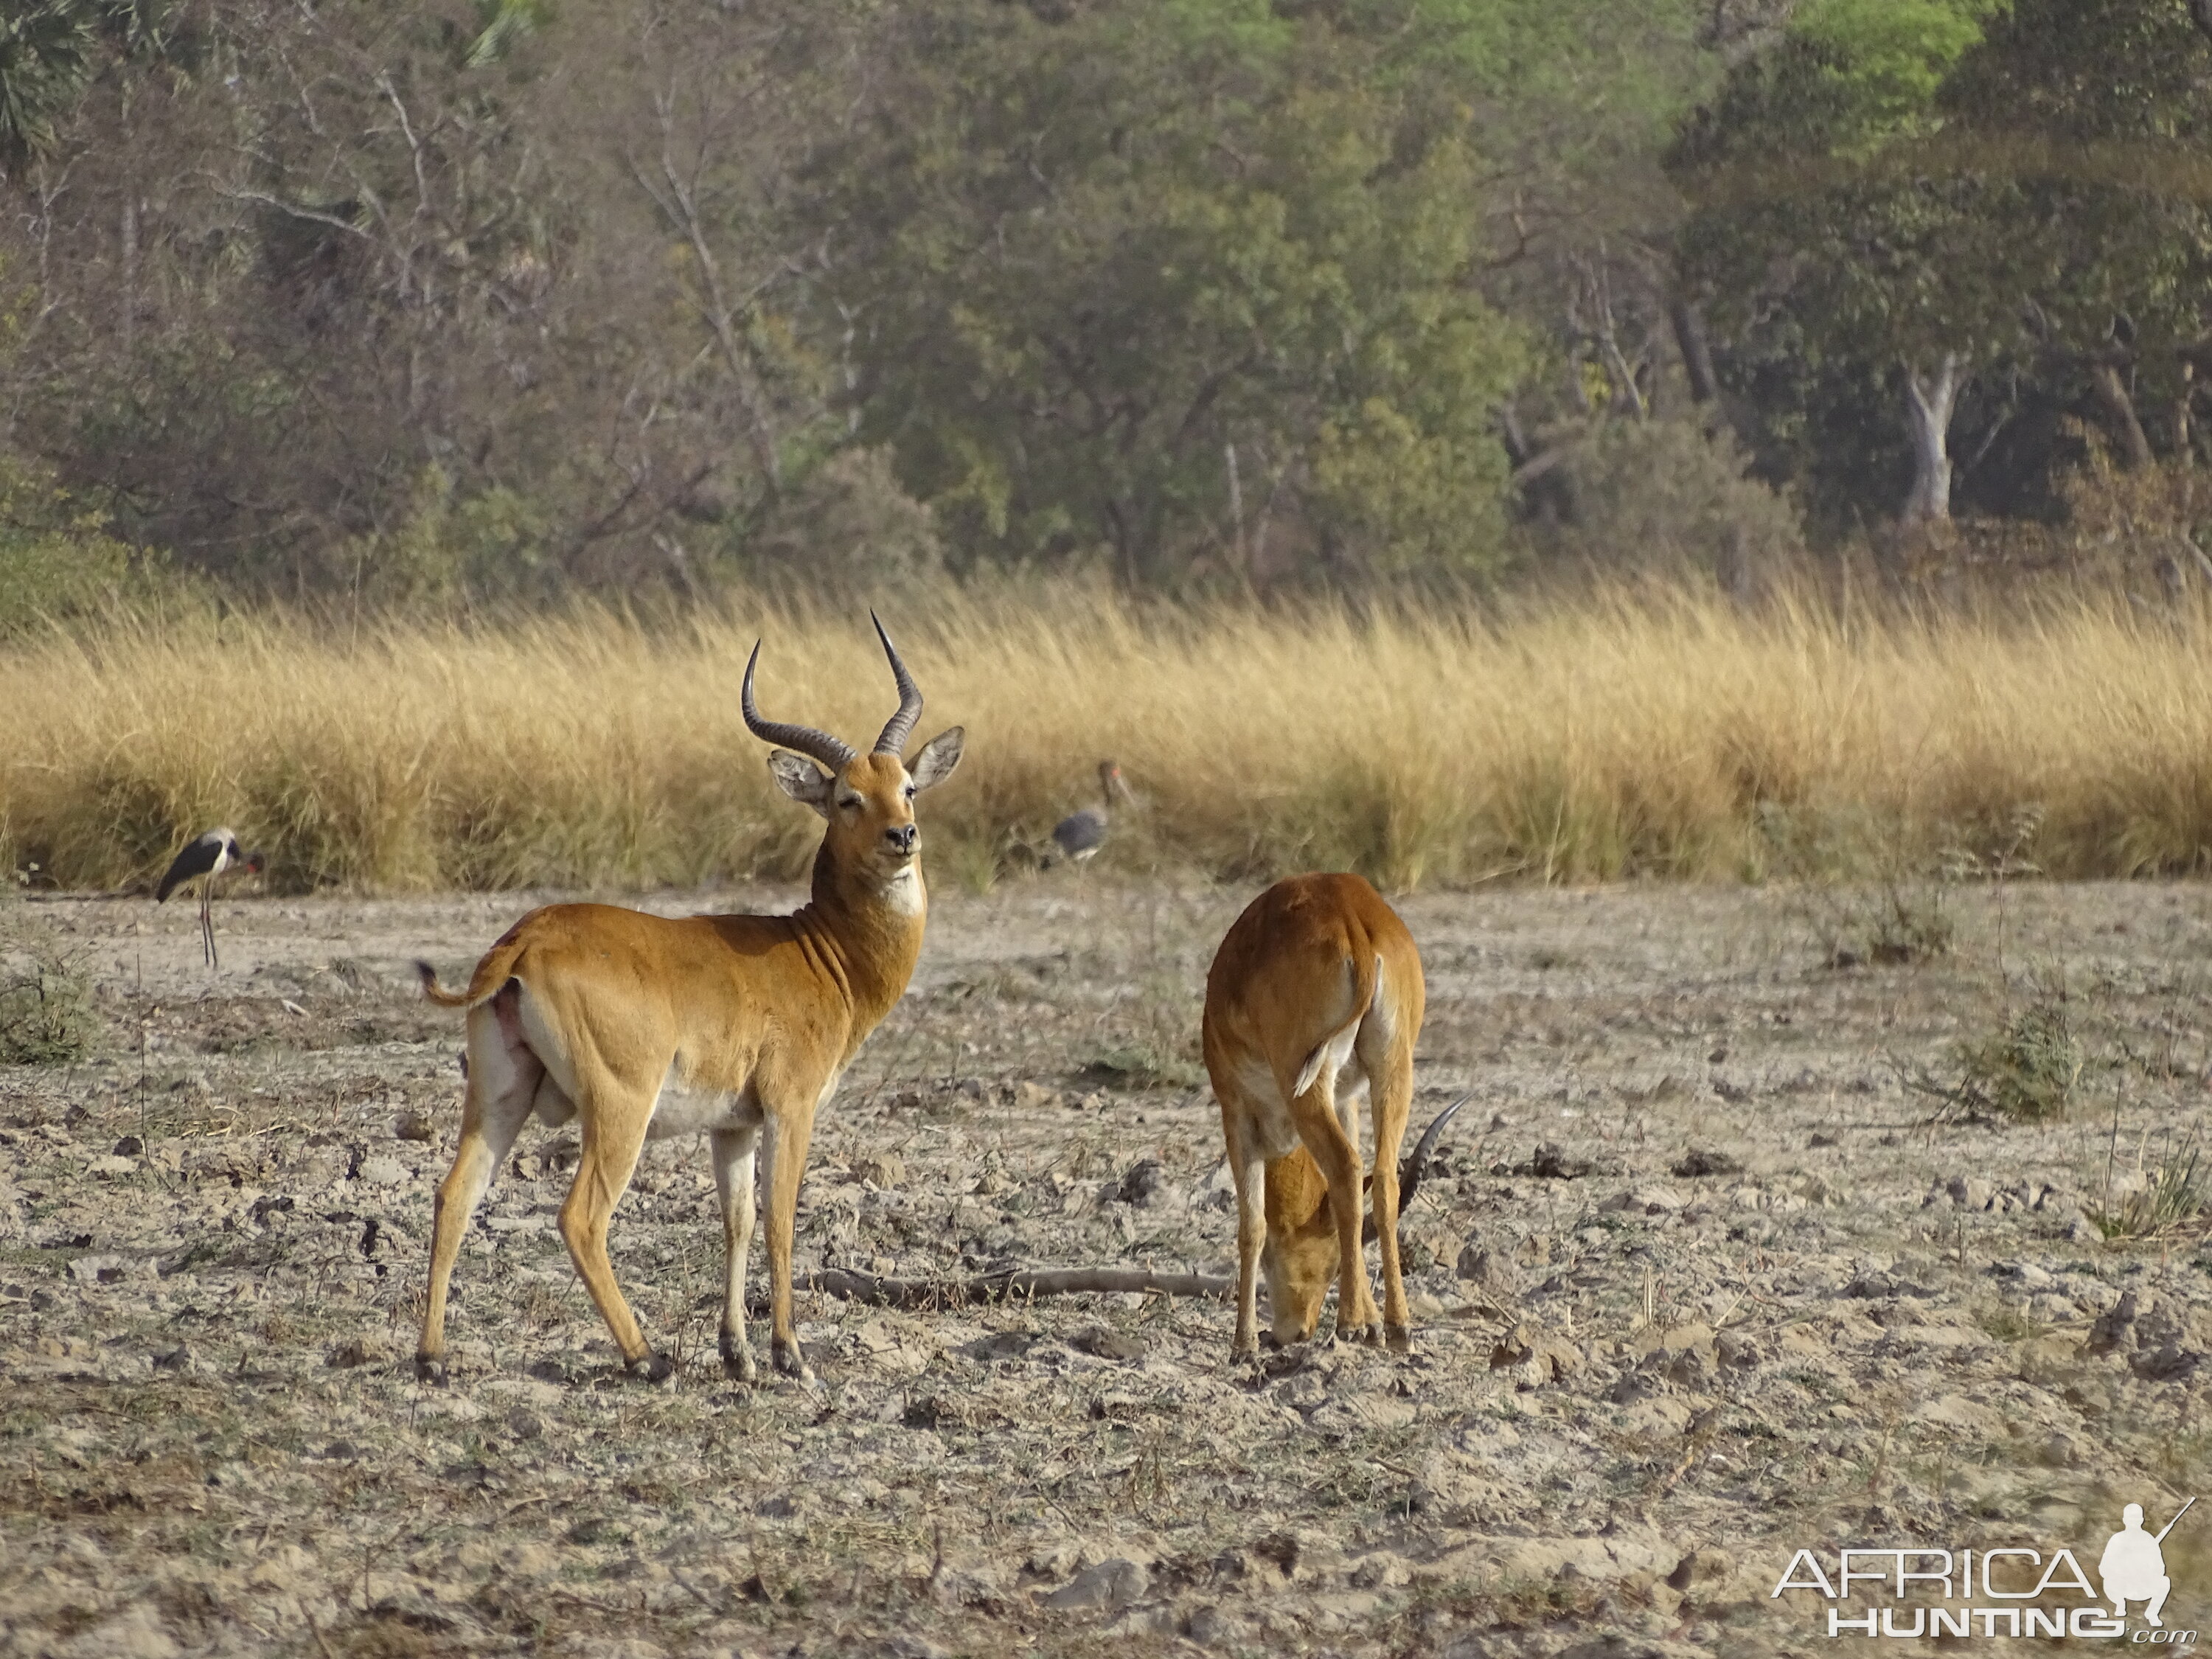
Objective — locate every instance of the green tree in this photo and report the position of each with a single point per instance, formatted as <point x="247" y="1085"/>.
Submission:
<point x="2089" y="121"/>
<point x="45" y="57"/>
<point x="1848" y="265"/>
<point x="1190" y="285"/>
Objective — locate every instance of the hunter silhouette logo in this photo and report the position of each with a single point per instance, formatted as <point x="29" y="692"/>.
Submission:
<point x="2133" y="1565"/>
<point x="1989" y="1590"/>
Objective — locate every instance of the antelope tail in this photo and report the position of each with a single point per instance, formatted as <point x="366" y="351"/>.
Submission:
<point x="492" y="972"/>
<point x="1414" y="1165"/>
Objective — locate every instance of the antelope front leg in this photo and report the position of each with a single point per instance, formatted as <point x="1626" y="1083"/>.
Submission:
<point x="1357" y="1319"/>
<point x="785" y="1144"/>
<point x="733" y="1155"/>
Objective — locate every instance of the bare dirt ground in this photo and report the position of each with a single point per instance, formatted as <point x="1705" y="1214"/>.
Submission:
<point x="1697" y="1283"/>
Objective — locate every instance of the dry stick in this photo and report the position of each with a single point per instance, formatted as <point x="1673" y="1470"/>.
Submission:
<point x="320" y="1643"/>
<point x="881" y="1292"/>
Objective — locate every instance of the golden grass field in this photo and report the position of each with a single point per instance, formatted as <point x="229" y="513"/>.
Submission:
<point x="1667" y="734"/>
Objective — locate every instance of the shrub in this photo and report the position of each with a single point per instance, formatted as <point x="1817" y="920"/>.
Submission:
<point x="47" y="1016"/>
<point x="2173" y="1195"/>
<point x="57" y="559"/>
<point x="1668" y="495"/>
<point x="2027" y="1070"/>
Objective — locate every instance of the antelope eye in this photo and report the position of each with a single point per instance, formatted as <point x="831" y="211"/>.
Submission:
<point x="909" y="792"/>
<point x="851" y="803"/>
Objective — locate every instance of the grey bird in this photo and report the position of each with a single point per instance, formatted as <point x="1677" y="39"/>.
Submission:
<point x="1080" y="834"/>
<point x="203" y="861"/>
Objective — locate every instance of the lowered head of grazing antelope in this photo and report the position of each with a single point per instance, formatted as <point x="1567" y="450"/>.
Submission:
<point x="736" y="1027"/>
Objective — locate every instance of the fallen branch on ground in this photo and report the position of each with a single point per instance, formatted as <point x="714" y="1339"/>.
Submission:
<point x="1013" y="1286"/>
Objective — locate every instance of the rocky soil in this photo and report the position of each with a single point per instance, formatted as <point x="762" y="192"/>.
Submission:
<point x="1710" y="1272"/>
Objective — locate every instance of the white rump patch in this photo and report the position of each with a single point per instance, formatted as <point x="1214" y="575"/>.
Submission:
<point x="1331" y="1055"/>
<point x="1379" y="1021"/>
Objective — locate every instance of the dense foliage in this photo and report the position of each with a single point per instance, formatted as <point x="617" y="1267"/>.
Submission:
<point x="495" y="297"/>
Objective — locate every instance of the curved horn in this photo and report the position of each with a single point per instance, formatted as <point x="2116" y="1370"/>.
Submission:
<point x="901" y="725"/>
<point x="1414" y="1163"/>
<point x="820" y="745"/>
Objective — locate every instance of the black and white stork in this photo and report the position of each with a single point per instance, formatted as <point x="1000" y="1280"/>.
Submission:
<point x="203" y="860"/>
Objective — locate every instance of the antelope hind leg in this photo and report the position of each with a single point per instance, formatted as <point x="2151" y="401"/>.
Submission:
<point x="502" y="1083"/>
<point x="1357" y="1319"/>
<point x="1393" y="1099"/>
<point x="1248" y="1170"/>
<point x="614" y="1135"/>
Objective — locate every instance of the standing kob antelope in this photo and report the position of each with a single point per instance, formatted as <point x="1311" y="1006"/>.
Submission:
<point x="733" y="1026"/>
<point x="1314" y="997"/>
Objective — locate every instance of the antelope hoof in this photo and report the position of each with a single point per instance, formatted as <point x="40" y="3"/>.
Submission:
<point x="738" y="1361"/>
<point x="1272" y="1343"/>
<point x="1399" y="1339"/>
<point x="652" y="1366"/>
<point x="430" y="1368"/>
<point x="791" y="1360"/>
<point x="1365" y="1335"/>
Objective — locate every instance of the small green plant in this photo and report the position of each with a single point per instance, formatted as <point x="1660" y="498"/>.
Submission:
<point x="2028" y="1070"/>
<point x="1143" y="1066"/>
<point x="2172" y="1197"/>
<point x="2010" y="1324"/>
<point x="46" y="1017"/>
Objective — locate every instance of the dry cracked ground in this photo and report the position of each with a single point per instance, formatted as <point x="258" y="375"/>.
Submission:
<point x="1713" y="1270"/>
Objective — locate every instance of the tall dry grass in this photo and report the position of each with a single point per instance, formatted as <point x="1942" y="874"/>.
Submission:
<point x="1658" y="735"/>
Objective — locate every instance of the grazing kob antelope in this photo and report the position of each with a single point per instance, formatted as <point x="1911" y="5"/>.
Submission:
<point x="736" y="1027"/>
<point x="1314" y="997"/>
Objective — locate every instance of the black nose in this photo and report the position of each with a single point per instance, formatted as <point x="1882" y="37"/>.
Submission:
<point x="903" y="836"/>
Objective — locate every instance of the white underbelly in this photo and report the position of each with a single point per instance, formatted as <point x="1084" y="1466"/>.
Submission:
<point x="683" y="1109"/>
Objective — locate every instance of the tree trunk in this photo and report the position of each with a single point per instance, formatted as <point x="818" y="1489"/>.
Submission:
<point x="2111" y="394"/>
<point x="1928" y="415"/>
<point x="129" y="312"/>
<point x="2184" y="454"/>
<point x="1697" y="355"/>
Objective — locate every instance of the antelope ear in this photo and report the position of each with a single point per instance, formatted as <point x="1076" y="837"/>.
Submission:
<point x="937" y="757"/>
<point x="801" y="778"/>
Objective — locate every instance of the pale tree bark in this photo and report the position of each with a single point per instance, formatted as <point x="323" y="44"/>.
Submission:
<point x="1927" y="414"/>
<point x="2112" y="397"/>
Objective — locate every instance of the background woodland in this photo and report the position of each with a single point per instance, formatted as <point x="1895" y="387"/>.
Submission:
<point x="486" y="301"/>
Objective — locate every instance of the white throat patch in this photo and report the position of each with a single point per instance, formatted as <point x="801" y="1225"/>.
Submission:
<point x="904" y="892"/>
